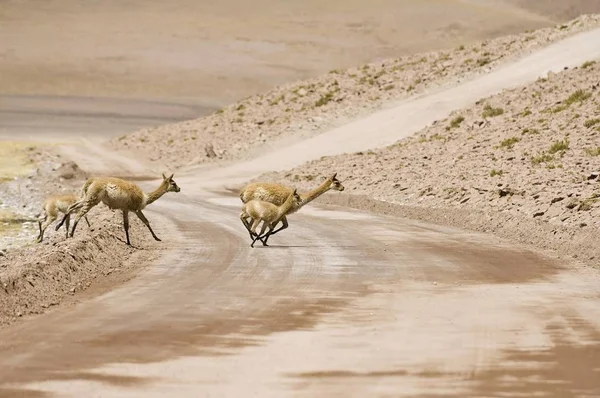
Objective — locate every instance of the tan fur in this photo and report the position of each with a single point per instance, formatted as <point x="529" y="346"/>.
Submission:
<point x="51" y="207"/>
<point x="267" y="213"/>
<point x="277" y="193"/>
<point x="121" y="195"/>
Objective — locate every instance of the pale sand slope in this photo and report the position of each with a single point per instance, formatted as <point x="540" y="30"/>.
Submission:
<point x="303" y="109"/>
<point x="530" y="155"/>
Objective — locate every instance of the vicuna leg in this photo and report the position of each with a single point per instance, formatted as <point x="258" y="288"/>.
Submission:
<point x="49" y="219"/>
<point x="68" y="221"/>
<point x="244" y="219"/>
<point x="73" y="207"/>
<point x="142" y="217"/>
<point x="262" y="231"/>
<point x="68" y="215"/>
<point x="126" y="225"/>
<point x="62" y="221"/>
<point x="86" y="207"/>
<point x="284" y="225"/>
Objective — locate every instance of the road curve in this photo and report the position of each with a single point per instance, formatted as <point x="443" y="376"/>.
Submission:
<point x="343" y="303"/>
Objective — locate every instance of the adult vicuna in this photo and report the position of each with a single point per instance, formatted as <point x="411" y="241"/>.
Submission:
<point x="277" y="193"/>
<point x="268" y="213"/>
<point x="51" y="207"/>
<point x="121" y="195"/>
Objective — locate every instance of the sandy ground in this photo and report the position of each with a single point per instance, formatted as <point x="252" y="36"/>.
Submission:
<point x="393" y="308"/>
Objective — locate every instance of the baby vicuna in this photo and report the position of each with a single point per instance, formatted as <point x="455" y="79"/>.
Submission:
<point x="122" y="195"/>
<point x="268" y="213"/>
<point x="50" y="209"/>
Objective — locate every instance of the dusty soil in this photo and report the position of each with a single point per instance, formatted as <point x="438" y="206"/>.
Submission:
<point x="37" y="276"/>
<point x="295" y="111"/>
<point x="525" y="160"/>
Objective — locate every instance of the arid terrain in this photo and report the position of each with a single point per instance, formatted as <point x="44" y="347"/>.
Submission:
<point x="459" y="261"/>
<point x="531" y="153"/>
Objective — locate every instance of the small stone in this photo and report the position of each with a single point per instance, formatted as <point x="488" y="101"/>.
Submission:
<point x="558" y="199"/>
<point x="593" y="176"/>
<point x="72" y="290"/>
<point x="538" y="214"/>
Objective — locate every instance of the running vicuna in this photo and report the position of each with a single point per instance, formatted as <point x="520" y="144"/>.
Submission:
<point x="277" y="194"/>
<point x="121" y="195"/>
<point x="268" y="213"/>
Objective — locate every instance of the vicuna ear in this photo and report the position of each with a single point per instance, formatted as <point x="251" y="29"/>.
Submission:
<point x="333" y="176"/>
<point x="170" y="178"/>
<point x="164" y="178"/>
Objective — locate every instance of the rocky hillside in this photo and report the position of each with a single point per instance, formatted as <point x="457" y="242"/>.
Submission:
<point x="304" y="109"/>
<point x="532" y="152"/>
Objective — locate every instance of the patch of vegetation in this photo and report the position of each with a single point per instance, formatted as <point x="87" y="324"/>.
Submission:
<point x="509" y="142"/>
<point x="542" y="158"/>
<point x="454" y="123"/>
<point x="494" y="173"/>
<point x="587" y="64"/>
<point x="277" y="100"/>
<point x="325" y="99"/>
<point x="530" y="131"/>
<point x="578" y="96"/>
<point x="239" y="107"/>
<point x="483" y="61"/>
<point x="389" y="87"/>
<point x="591" y="122"/>
<point x="218" y="112"/>
<point x="489" y="111"/>
<point x="593" y="151"/>
<point x="461" y="48"/>
<point x="410" y="88"/>
<point x="526" y="112"/>
<point x="556" y="109"/>
<point x="559" y="146"/>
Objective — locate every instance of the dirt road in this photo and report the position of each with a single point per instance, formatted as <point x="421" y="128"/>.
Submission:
<point x="343" y="304"/>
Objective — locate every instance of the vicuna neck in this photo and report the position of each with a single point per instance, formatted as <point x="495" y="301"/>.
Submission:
<point x="315" y="193"/>
<point x="157" y="193"/>
<point x="286" y="205"/>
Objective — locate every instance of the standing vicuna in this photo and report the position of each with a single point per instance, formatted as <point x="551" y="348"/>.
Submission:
<point x="277" y="194"/>
<point x="122" y="195"/>
<point x="51" y="207"/>
<point x="268" y="213"/>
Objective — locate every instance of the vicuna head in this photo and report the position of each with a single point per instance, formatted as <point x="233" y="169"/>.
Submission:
<point x="335" y="183"/>
<point x="170" y="183"/>
<point x="297" y="198"/>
